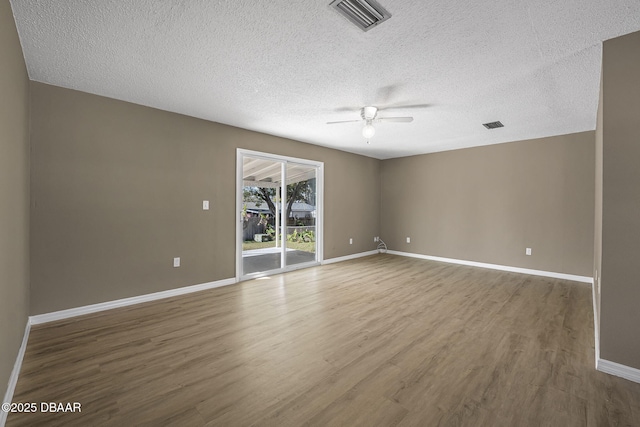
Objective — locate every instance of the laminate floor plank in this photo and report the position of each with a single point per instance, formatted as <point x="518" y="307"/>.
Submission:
<point x="382" y="340"/>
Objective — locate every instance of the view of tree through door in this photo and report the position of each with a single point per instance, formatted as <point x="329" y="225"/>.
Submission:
<point x="301" y="213"/>
<point x="279" y="213"/>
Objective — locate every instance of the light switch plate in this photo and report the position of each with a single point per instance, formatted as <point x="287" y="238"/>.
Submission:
<point x="176" y="262"/>
<point x="205" y="205"/>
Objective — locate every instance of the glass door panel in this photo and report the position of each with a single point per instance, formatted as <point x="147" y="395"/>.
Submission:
<point x="261" y="241"/>
<point x="300" y="213"/>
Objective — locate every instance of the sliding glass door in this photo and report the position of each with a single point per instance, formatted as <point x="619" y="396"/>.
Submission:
<point x="279" y="202"/>
<point x="301" y="213"/>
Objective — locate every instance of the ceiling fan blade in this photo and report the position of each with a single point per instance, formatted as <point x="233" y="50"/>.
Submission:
<point x="347" y="109"/>
<point x="395" y="119"/>
<point x="405" y="107"/>
<point x="344" y="121"/>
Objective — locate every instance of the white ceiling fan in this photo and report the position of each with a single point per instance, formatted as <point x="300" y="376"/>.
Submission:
<point x="369" y="116"/>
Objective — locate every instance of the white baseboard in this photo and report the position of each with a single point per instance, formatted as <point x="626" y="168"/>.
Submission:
<point x="13" y="379"/>
<point x="596" y="328"/>
<point x="348" y="257"/>
<point x="573" y="277"/>
<point x="94" y="308"/>
<point x="623" y="371"/>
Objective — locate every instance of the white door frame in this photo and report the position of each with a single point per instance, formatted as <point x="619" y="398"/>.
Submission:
<point x="240" y="153"/>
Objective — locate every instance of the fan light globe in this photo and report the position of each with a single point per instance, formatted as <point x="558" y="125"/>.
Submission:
<point x="368" y="131"/>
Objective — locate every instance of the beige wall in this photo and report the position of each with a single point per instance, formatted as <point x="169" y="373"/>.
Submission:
<point x="620" y="277"/>
<point x="117" y="192"/>
<point x="487" y="204"/>
<point x="597" y="244"/>
<point x="14" y="194"/>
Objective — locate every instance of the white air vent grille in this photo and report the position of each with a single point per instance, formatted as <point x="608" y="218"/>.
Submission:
<point x="366" y="14"/>
<point x="493" y="125"/>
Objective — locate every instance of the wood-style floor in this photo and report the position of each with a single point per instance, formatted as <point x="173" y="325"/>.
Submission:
<point x="378" y="341"/>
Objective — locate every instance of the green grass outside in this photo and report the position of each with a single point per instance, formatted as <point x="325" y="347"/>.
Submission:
<point x="304" y="246"/>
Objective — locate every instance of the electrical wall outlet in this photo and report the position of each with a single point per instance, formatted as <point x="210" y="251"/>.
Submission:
<point x="375" y="239"/>
<point x="528" y="251"/>
<point x="408" y="239"/>
<point x="350" y="241"/>
<point x="176" y="262"/>
<point x="205" y="205"/>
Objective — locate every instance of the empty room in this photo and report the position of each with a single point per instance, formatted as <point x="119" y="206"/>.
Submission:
<point x="346" y="213"/>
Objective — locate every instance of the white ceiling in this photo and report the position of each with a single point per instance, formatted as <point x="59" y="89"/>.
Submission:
<point x="287" y="67"/>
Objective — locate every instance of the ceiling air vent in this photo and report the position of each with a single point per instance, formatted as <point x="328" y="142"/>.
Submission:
<point x="493" y="125"/>
<point x="366" y="14"/>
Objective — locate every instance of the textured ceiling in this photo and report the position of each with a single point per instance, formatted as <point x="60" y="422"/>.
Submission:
<point x="286" y="68"/>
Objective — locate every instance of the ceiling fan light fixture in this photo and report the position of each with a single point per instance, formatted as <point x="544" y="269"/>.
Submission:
<point x="368" y="113"/>
<point x="368" y="131"/>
